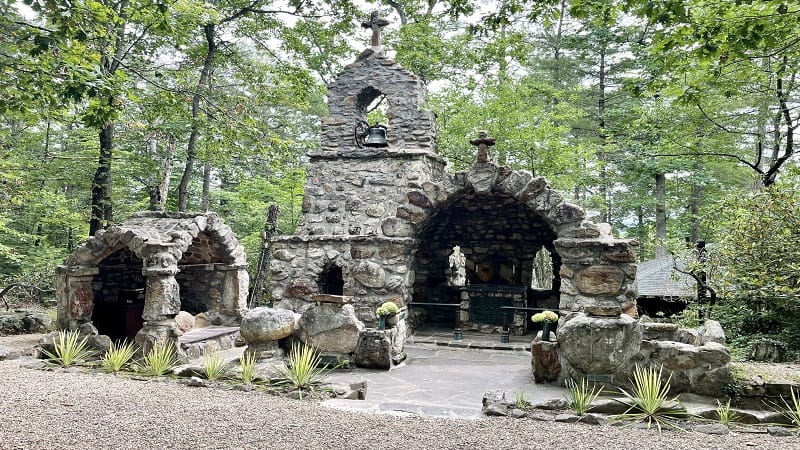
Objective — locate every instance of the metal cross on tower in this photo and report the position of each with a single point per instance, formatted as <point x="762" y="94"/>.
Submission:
<point x="375" y="24"/>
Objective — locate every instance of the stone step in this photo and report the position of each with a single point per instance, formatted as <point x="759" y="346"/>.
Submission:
<point x="197" y="342"/>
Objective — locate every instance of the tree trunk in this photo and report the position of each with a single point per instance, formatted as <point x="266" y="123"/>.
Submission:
<point x="206" y="186"/>
<point x="605" y="192"/>
<point x="101" y="183"/>
<point x="661" y="215"/>
<point x="160" y="187"/>
<point x="202" y="85"/>
<point x="694" y="207"/>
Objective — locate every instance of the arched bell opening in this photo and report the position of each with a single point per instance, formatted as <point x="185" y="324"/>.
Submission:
<point x="119" y="289"/>
<point x="498" y="238"/>
<point x="331" y="281"/>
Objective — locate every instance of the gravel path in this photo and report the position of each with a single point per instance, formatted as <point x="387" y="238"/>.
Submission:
<point x="76" y="410"/>
<point x="64" y="409"/>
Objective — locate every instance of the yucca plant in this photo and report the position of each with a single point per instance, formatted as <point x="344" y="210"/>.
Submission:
<point x="248" y="365"/>
<point x="579" y="396"/>
<point x="118" y="356"/>
<point x="214" y="366"/>
<point x="648" y="401"/>
<point x="792" y="411"/>
<point x="68" y="349"/>
<point x="725" y="415"/>
<point x="521" y="400"/>
<point x="159" y="360"/>
<point x="302" y="371"/>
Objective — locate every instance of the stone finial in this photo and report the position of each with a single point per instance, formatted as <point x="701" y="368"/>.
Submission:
<point x="483" y="142"/>
<point x="375" y="24"/>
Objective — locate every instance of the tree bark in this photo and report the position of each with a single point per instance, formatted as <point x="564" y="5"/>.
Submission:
<point x="160" y="187"/>
<point x="661" y="216"/>
<point x="102" y="213"/>
<point x="203" y="84"/>
<point x="206" y="186"/>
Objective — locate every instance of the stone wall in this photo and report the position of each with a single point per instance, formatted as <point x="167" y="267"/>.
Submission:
<point x="371" y="76"/>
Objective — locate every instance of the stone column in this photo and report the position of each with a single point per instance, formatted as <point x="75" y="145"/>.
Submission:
<point x="597" y="280"/>
<point x="162" y="302"/>
<point x="75" y="295"/>
<point x="234" y="291"/>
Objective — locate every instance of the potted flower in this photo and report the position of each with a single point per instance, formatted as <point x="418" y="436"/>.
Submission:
<point x="387" y="313"/>
<point x="547" y="318"/>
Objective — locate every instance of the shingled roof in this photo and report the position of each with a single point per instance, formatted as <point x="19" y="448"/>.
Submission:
<point x="657" y="278"/>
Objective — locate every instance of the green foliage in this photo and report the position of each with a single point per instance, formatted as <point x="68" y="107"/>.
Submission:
<point x="580" y="396"/>
<point x="69" y="349"/>
<point x="792" y="410"/>
<point x="758" y="264"/>
<point x="248" y="366"/>
<point x="159" y="360"/>
<point x="118" y="356"/>
<point x="521" y="399"/>
<point x="302" y="371"/>
<point x="725" y="415"/>
<point x="647" y="401"/>
<point x="214" y="366"/>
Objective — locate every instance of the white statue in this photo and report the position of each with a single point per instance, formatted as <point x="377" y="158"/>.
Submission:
<point x="458" y="269"/>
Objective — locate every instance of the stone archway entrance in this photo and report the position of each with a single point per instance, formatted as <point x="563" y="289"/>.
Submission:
<point x="499" y="237"/>
<point x="134" y="278"/>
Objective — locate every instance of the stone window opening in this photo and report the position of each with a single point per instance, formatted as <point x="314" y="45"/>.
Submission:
<point x="373" y="106"/>
<point x="331" y="281"/>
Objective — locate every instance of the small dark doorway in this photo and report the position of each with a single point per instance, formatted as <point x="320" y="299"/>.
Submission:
<point x="119" y="296"/>
<point x="330" y="281"/>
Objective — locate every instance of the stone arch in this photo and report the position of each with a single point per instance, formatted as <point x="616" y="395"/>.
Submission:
<point x="163" y="245"/>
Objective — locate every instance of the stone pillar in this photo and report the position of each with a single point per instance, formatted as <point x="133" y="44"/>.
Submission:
<point x="597" y="284"/>
<point x="234" y="291"/>
<point x="75" y="295"/>
<point x="162" y="302"/>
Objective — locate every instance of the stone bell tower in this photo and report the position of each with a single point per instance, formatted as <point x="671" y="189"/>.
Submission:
<point x="355" y="234"/>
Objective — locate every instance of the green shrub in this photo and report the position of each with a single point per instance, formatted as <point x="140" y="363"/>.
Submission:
<point x="159" y="360"/>
<point x="792" y="411"/>
<point x="248" y="365"/>
<point x="579" y="396"/>
<point x="303" y="371"/>
<point x="521" y="400"/>
<point x="725" y="415"/>
<point x="648" y="402"/>
<point x="214" y="366"/>
<point x="118" y="356"/>
<point x="68" y="350"/>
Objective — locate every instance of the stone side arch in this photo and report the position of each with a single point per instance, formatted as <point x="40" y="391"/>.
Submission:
<point x="160" y="241"/>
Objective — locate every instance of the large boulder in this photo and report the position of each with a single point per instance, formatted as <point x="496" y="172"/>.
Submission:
<point x="599" y="345"/>
<point x="261" y="325"/>
<point x="331" y="328"/>
<point x="374" y="350"/>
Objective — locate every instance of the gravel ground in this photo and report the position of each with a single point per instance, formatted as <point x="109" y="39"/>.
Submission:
<point x="65" y="409"/>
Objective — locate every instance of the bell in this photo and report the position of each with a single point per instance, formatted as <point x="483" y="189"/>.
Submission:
<point x="376" y="137"/>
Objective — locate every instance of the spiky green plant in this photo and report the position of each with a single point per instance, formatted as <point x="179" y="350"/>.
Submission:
<point x="118" y="356"/>
<point x="214" y="366"/>
<point x="68" y="350"/>
<point x="579" y="396"/>
<point x="648" y="402"/>
<point x="521" y="399"/>
<point x="248" y="365"/>
<point x="792" y="411"/>
<point x="725" y="415"/>
<point x="302" y="371"/>
<point x="159" y="360"/>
